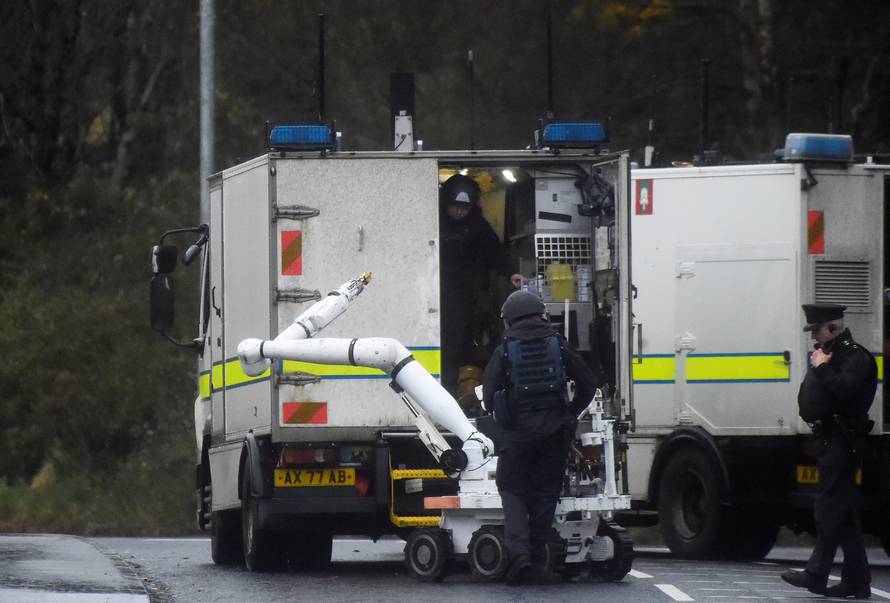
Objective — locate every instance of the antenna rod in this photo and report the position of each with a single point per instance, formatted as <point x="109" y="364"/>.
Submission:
<point x="471" y="59"/>
<point x="321" y="67"/>
<point x="704" y="135"/>
<point x="549" y="63"/>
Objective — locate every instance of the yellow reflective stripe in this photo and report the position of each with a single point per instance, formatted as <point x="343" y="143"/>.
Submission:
<point x="204" y="385"/>
<point x="653" y="369"/>
<point x="235" y="376"/>
<point x="428" y="359"/>
<point x="417" y="473"/>
<point x="760" y="367"/>
<point x="879" y="358"/>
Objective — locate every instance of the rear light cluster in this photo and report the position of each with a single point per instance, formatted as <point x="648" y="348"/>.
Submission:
<point x="323" y="455"/>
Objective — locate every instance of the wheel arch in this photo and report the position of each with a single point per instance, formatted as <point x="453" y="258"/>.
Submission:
<point x="250" y="462"/>
<point x="687" y="437"/>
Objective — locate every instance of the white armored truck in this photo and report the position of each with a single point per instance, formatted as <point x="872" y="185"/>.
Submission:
<point x="308" y="446"/>
<point x="723" y="258"/>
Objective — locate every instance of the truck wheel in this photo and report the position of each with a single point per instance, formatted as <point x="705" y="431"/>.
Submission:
<point x="309" y="550"/>
<point x="429" y="554"/>
<point x="616" y="568"/>
<point x="260" y="550"/>
<point x="225" y="538"/>
<point x="689" y="501"/>
<point x="487" y="553"/>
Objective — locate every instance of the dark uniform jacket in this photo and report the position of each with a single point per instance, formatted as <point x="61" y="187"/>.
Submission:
<point x="470" y="249"/>
<point x="844" y="386"/>
<point x="541" y="424"/>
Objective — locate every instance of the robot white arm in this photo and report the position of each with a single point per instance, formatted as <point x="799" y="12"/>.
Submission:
<point x="415" y="384"/>
<point x="394" y="359"/>
<point x="318" y="316"/>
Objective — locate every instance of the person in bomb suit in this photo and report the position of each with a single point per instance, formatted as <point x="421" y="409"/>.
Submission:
<point x="525" y="384"/>
<point x="834" y="399"/>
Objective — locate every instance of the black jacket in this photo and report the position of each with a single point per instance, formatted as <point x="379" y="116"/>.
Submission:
<point x="843" y="386"/>
<point x="470" y="249"/>
<point x="540" y="424"/>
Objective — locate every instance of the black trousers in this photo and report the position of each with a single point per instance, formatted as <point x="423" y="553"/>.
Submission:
<point x="836" y="511"/>
<point x="529" y="479"/>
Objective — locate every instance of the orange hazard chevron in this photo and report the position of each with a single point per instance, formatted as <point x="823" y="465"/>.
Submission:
<point x="291" y="252"/>
<point x="304" y="413"/>
<point x="815" y="232"/>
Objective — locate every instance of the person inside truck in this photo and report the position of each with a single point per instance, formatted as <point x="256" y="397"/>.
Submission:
<point x="470" y="251"/>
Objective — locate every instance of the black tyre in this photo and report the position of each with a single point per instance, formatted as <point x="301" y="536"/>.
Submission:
<point x="309" y="551"/>
<point x="429" y="554"/>
<point x="225" y="538"/>
<point x="487" y="553"/>
<point x="689" y="504"/>
<point x="616" y="568"/>
<point x="261" y="549"/>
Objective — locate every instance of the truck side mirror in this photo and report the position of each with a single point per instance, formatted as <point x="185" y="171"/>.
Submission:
<point x="163" y="259"/>
<point x="161" y="301"/>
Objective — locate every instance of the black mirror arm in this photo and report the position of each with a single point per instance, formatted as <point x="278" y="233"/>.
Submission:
<point x="196" y="344"/>
<point x="203" y="229"/>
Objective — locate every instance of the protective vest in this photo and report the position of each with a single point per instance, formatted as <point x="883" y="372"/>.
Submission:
<point x="534" y="375"/>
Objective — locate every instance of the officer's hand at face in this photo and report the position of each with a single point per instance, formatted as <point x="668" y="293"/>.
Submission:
<point x="819" y="358"/>
<point x="517" y="280"/>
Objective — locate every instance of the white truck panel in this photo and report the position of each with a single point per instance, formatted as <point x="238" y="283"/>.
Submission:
<point x="245" y="221"/>
<point x="370" y="221"/>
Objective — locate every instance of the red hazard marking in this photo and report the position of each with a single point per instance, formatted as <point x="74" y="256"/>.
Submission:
<point x="645" y="197"/>
<point x="291" y="252"/>
<point x="815" y="232"/>
<point x="303" y="413"/>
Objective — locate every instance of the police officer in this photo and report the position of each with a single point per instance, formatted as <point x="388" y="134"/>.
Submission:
<point x="470" y="250"/>
<point x="834" y="398"/>
<point x="525" y="385"/>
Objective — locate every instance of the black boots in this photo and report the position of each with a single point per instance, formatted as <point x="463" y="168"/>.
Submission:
<point x="844" y="591"/>
<point x="805" y="580"/>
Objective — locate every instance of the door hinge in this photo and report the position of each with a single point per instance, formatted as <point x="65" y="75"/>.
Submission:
<point x="685" y="269"/>
<point x="686" y="341"/>
<point x="297" y="379"/>
<point x="293" y="212"/>
<point x="297" y="295"/>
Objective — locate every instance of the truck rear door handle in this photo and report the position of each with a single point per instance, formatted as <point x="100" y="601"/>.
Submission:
<point x="786" y="356"/>
<point x="639" y="358"/>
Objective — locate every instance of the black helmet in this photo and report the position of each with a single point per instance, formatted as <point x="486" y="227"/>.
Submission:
<point x="460" y="189"/>
<point x="519" y="304"/>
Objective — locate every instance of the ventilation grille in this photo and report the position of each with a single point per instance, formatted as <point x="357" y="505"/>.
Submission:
<point x="846" y="283"/>
<point x="563" y="249"/>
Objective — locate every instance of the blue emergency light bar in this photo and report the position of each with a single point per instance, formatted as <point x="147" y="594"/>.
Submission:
<point x="818" y="147"/>
<point x="575" y="134"/>
<point x="316" y="136"/>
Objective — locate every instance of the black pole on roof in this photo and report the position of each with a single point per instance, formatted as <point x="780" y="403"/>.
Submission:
<point x="704" y="135"/>
<point x="549" y="63"/>
<point x="321" y="113"/>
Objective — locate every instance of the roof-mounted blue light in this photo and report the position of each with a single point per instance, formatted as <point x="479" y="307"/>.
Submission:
<point x="584" y="134"/>
<point x="818" y="147"/>
<point x="315" y="136"/>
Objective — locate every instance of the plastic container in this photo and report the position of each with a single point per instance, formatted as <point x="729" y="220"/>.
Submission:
<point x="562" y="282"/>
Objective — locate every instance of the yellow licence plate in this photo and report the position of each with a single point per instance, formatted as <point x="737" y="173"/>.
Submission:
<point x="298" y="478"/>
<point x="808" y="474"/>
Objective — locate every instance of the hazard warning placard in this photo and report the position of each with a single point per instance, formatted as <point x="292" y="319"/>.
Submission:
<point x="644" y="198"/>
<point x="291" y="252"/>
<point x="304" y="413"/>
<point x="815" y="232"/>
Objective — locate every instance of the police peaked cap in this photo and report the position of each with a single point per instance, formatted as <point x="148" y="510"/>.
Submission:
<point x="818" y="314"/>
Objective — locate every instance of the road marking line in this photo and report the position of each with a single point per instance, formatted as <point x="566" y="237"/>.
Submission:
<point x="637" y="574"/>
<point x="881" y="593"/>
<point x="755" y="583"/>
<point x="765" y="563"/>
<point x="673" y="592"/>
